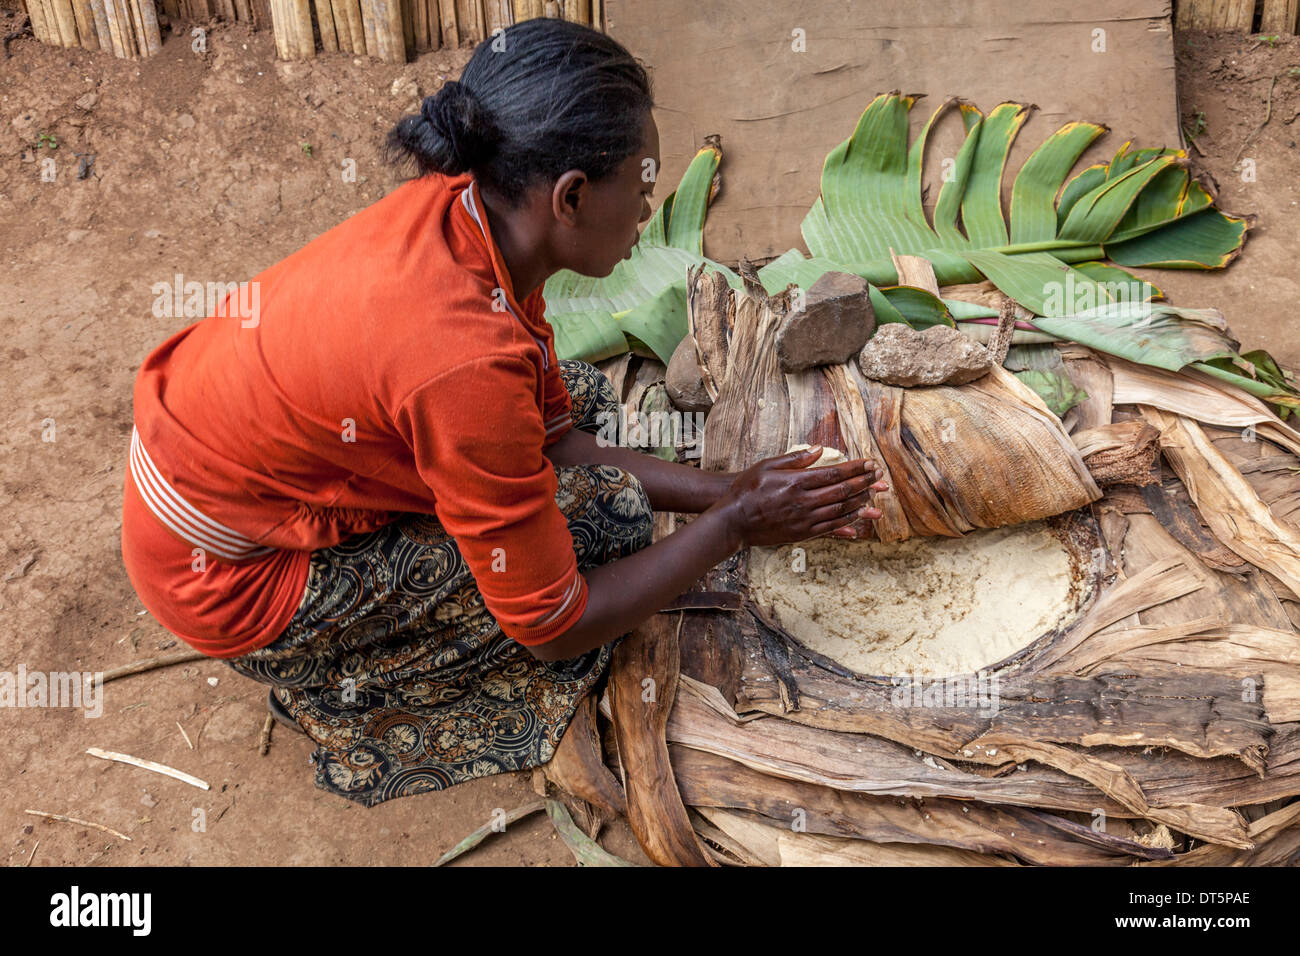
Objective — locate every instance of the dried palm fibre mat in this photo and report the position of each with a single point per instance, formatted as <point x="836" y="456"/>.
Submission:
<point x="929" y="607"/>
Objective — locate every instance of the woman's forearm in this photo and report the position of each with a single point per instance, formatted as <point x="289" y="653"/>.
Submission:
<point x="669" y="486"/>
<point x="624" y="593"/>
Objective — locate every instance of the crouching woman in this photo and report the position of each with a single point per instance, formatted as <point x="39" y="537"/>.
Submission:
<point x="383" y="495"/>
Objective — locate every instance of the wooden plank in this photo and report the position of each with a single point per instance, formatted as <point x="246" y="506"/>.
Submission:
<point x="36" y="16"/>
<point x="325" y="22"/>
<point x="449" y="22"/>
<point x="1279" y="17"/>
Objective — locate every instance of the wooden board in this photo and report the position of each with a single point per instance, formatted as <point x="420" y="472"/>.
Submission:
<point x="729" y="68"/>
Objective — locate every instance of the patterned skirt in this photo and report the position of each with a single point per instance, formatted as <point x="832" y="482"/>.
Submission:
<point x="395" y="668"/>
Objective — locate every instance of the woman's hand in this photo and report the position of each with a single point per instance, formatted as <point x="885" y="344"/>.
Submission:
<point x="780" y="500"/>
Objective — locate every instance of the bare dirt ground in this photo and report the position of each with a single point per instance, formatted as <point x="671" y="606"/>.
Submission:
<point x="215" y="165"/>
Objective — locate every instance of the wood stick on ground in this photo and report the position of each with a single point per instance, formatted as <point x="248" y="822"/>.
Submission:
<point x="368" y="28"/>
<point x="1268" y="114"/>
<point x="184" y="734"/>
<point x="264" y="744"/>
<point x="483" y="832"/>
<point x="163" y="769"/>
<point x="130" y="43"/>
<point x="280" y="29"/>
<point x="84" y="823"/>
<point x="33" y="856"/>
<point x="389" y="27"/>
<point x="151" y="663"/>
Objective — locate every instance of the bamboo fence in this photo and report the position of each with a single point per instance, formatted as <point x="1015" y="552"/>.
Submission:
<point x="1270" y="17"/>
<point x="125" y="28"/>
<point x="388" y="30"/>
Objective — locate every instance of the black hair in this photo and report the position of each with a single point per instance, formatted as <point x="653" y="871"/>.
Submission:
<point x="541" y="97"/>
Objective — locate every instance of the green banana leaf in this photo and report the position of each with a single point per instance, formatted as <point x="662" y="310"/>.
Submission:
<point x="1056" y="389"/>
<point x="1140" y="209"/>
<point x="1150" y="333"/>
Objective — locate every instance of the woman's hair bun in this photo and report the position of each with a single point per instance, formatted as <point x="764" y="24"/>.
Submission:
<point x="542" y="97"/>
<point x="460" y="133"/>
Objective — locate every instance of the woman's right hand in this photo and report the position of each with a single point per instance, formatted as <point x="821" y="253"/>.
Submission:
<point x="781" y="500"/>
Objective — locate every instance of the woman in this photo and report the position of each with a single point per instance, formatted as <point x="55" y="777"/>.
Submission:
<point x="383" y="495"/>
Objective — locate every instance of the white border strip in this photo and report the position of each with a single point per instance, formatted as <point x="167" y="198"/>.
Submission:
<point x="182" y="517"/>
<point x="467" y="200"/>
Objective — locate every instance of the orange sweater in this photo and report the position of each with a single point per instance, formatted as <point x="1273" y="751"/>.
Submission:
<point x="386" y="368"/>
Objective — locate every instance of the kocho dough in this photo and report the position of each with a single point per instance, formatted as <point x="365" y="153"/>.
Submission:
<point x="929" y="607"/>
<point x="829" y="456"/>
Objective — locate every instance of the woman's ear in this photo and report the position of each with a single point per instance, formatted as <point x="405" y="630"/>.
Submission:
<point x="569" y="194"/>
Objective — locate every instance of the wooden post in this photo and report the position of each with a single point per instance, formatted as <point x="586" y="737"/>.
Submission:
<point x="36" y="14"/>
<point x="342" y="29"/>
<point x="137" y="26"/>
<point x="420" y="25"/>
<point x="114" y="29"/>
<point x="449" y="22"/>
<point x="371" y="32"/>
<point x="101" y="26"/>
<point x="85" y="20"/>
<point x="67" y="23"/>
<point x="396" y="35"/>
<point x="355" y="27"/>
<point x="406" y="11"/>
<point x="152" y="34"/>
<point x="1280" y="17"/>
<point x="301" y="10"/>
<point x="325" y="20"/>
<point x="280" y="28"/>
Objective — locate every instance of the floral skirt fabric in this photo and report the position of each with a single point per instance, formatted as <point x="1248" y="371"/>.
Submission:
<point x="394" y="667"/>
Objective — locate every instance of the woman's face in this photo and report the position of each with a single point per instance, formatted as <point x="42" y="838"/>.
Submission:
<point x="603" y="217"/>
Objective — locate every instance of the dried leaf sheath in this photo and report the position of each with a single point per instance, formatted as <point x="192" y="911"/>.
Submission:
<point x="957" y="458"/>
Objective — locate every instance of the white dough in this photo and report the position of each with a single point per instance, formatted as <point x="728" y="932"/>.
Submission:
<point x="930" y="607"/>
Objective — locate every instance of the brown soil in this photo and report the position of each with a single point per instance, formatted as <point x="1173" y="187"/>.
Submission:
<point x="215" y="166"/>
<point x="1225" y="78"/>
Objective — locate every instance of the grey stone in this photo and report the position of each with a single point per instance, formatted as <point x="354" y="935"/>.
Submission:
<point x="683" y="380"/>
<point x="835" y="321"/>
<point x="900" y="355"/>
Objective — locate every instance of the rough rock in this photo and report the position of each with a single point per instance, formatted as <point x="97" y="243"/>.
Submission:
<point x="900" y="355"/>
<point x="832" y="326"/>
<point x="685" y="385"/>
